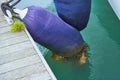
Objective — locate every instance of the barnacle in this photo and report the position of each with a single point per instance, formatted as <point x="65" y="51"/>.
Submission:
<point x="83" y="59"/>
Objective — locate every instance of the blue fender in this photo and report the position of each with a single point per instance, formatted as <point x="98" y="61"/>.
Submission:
<point x="74" y="12"/>
<point x="51" y="31"/>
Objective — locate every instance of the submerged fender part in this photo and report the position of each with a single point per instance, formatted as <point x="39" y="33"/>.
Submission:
<point x="51" y="31"/>
<point x="74" y="12"/>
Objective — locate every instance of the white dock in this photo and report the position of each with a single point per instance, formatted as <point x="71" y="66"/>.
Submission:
<point x="20" y="59"/>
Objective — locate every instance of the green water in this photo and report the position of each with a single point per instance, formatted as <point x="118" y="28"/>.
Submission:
<point x="103" y="38"/>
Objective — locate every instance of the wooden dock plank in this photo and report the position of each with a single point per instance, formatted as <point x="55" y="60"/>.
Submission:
<point x="14" y="48"/>
<point x="4" y="24"/>
<point x="2" y="19"/>
<point x="16" y="55"/>
<point x="23" y="72"/>
<point x="8" y="35"/>
<point x="4" y="30"/>
<point x="20" y="59"/>
<point x="39" y="76"/>
<point x="19" y="64"/>
<point x="14" y="40"/>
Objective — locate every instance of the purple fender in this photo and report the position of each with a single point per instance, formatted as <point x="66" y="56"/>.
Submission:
<point x="74" y="12"/>
<point x="51" y="31"/>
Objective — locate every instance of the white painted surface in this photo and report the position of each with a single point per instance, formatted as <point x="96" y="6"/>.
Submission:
<point x="22" y="13"/>
<point x="116" y="6"/>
